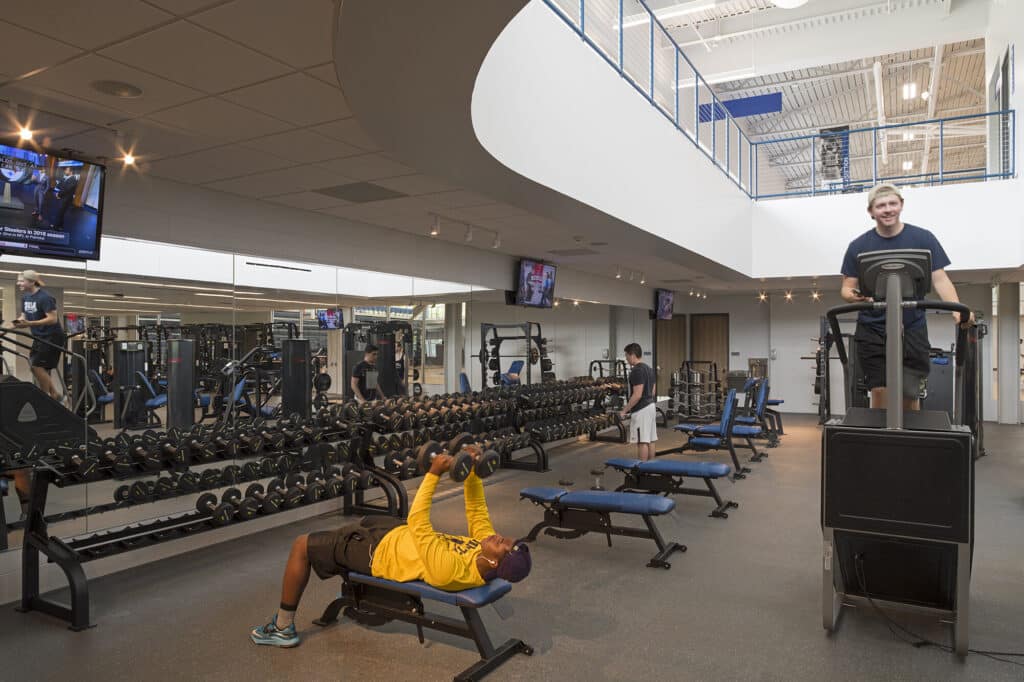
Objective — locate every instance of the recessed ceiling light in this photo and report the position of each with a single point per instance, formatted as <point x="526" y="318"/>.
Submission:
<point x="908" y="137"/>
<point x="24" y="133"/>
<point x="909" y="90"/>
<point x="129" y="159"/>
<point x="908" y="165"/>
<point x="117" y="89"/>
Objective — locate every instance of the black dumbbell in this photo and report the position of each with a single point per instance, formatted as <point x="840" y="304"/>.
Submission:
<point x="219" y="514"/>
<point x="209" y="478"/>
<point x="245" y="508"/>
<point x="249" y="442"/>
<point x="462" y="463"/>
<point x="138" y="453"/>
<point x="189" y="482"/>
<point x="300" y="491"/>
<point x="230" y="474"/>
<point x="165" y="448"/>
<point x="401" y="463"/>
<point x="268" y="502"/>
<point x="137" y="492"/>
<point x="79" y="461"/>
<point x="339" y="480"/>
<point x="196" y="449"/>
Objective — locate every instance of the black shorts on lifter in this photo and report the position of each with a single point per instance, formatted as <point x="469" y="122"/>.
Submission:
<point x="916" y="363"/>
<point x="349" y="548"/>
<point x="44" y="355"/>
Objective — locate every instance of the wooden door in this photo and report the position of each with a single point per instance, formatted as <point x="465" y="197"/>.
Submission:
<point x="669" y="349"/>
<point x="709" y="340"/>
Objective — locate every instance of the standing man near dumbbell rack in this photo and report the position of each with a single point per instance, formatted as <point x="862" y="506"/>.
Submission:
<point x="389" y="548"/>
<point x="368" y="366"/>
<point x="643" y="425"/>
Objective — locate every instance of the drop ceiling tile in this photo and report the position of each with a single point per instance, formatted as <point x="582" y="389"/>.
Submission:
<point x="308" y="200"/>
<point x="325" y="72"/>
<point x="149" y="139"/>
<point x="458" y="199"/>
<point x="25" y="51"/>
<point x="367" y="167"/>
<point x="486" y="212"/>
<point x="298" y="98"/>
<point x="85" y="24"/>
<point x="196" y="57"/>
<point x="416" y="184"/>
<point x="297" y="32"/>
<point x="272" y="183"/>
<point x="220" y="120"/>
<point x="304" y="146"/>
<point x="210" y="165"/>
<point x="75" y="113"/>
<point x="76" y="77"/>
<point x="348" y="130"/>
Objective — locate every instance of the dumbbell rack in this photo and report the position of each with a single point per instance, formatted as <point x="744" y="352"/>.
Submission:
<point x="71" y="555"/>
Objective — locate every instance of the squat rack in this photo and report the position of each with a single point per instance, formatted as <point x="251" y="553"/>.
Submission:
<point x="536" y="350"/>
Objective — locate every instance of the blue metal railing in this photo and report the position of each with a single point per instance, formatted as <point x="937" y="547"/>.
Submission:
<point x="858" y="170"/>
<point x="627" y="44"/>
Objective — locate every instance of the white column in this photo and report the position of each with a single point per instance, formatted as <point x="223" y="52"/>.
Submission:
<point x="454" y="338"/>
<point x="1008" y="353"/>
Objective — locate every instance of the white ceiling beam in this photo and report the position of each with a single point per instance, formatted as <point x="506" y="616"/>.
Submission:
<point x="803" y="80"/>
<point x="810" y="106"/>
<point x="780" y="135"/>
<point x="933" y="98"/>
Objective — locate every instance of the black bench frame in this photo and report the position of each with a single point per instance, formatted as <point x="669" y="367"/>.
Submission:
<point x="566" y="523"/>
<point x="670" y="484"/>
<point x="373" y="605"/>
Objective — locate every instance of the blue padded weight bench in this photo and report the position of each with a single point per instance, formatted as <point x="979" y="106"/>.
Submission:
<point x="375" y="601"/>
<point x="152" y="400"/>
<point x="756" y="417"/>
<point x="569" y="515"/>
<point x="704" y="437"/>
<point x="669" y="478"/>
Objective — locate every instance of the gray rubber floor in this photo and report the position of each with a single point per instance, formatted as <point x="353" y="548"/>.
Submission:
<point x="742" y="604"/>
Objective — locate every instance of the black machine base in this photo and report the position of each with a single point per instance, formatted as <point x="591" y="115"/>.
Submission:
<point x="373" y="606"/>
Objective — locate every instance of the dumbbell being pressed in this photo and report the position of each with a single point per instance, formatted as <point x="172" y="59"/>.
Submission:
<point x="270" y="501"/>
<point x="465" y="458"/>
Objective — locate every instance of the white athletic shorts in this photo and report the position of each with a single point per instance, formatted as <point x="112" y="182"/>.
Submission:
<point x="643" y="426"/>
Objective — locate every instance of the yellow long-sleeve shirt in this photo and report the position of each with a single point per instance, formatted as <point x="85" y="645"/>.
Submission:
<point x="416" y="551"/>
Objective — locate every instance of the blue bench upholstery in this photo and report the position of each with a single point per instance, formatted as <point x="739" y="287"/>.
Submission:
<point x="473" y="598"/>
<point x="668" y="477"/>
<point x="672" y="467"/>
<point x="718" y="436"/>
<point x="572" y="514"/>
<point x="775" y="401"/>
<point x="604" y="501"/>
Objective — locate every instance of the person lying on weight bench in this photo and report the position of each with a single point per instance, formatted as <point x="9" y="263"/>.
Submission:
<point x="389" y="548"/>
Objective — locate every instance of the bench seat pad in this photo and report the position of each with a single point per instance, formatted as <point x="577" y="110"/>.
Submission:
<point x="672" y="467"/>
<point x="474" y="598"/>
<point x="775" y="401"/>
<point x="746" y="430"/>
<point x="602" y="500"/>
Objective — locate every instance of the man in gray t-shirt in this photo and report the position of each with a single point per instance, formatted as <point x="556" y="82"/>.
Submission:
<point x="643" y="427"/>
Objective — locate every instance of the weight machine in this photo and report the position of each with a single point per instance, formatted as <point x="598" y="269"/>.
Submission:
<point x="536" y="351"/>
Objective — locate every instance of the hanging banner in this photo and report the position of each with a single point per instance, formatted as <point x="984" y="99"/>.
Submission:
<point x="835" y="155"/>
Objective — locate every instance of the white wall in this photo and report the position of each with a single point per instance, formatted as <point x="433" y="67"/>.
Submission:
<point x="748" y="323"/>
<point x="631" y="325"/>
<point x="808" y="236"/>
<point x="562" y="117"/>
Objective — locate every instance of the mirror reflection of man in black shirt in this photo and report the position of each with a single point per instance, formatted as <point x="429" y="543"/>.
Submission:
<point x="368" y="365"/>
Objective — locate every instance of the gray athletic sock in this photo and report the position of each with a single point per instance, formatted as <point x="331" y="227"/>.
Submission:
<point x="285" y="617"/>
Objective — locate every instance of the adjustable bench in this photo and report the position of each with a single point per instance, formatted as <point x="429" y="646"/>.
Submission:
<point x="703" y="437"/>
<point x="669" y="476"/>
<point x="570" y="515"/>
<point x="375" y="601"/>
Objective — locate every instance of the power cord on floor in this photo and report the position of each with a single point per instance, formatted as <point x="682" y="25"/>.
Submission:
<point x="918" y="641"/>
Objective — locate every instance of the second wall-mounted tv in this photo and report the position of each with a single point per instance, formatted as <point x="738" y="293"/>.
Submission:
<point x="329" y="318"/>
<point x="664" y="302"/>
<point x="536" y="286"/>
<point x="51" y="206"/>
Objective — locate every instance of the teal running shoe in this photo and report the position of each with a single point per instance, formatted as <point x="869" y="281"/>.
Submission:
<point x="270" y="635"/>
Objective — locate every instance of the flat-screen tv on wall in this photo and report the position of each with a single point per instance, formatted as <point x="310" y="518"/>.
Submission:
<point x="663" y="304"/>
<point x="536" y="285"/>
<point x="329" y="318"/>
<point x="51" y="206"/>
